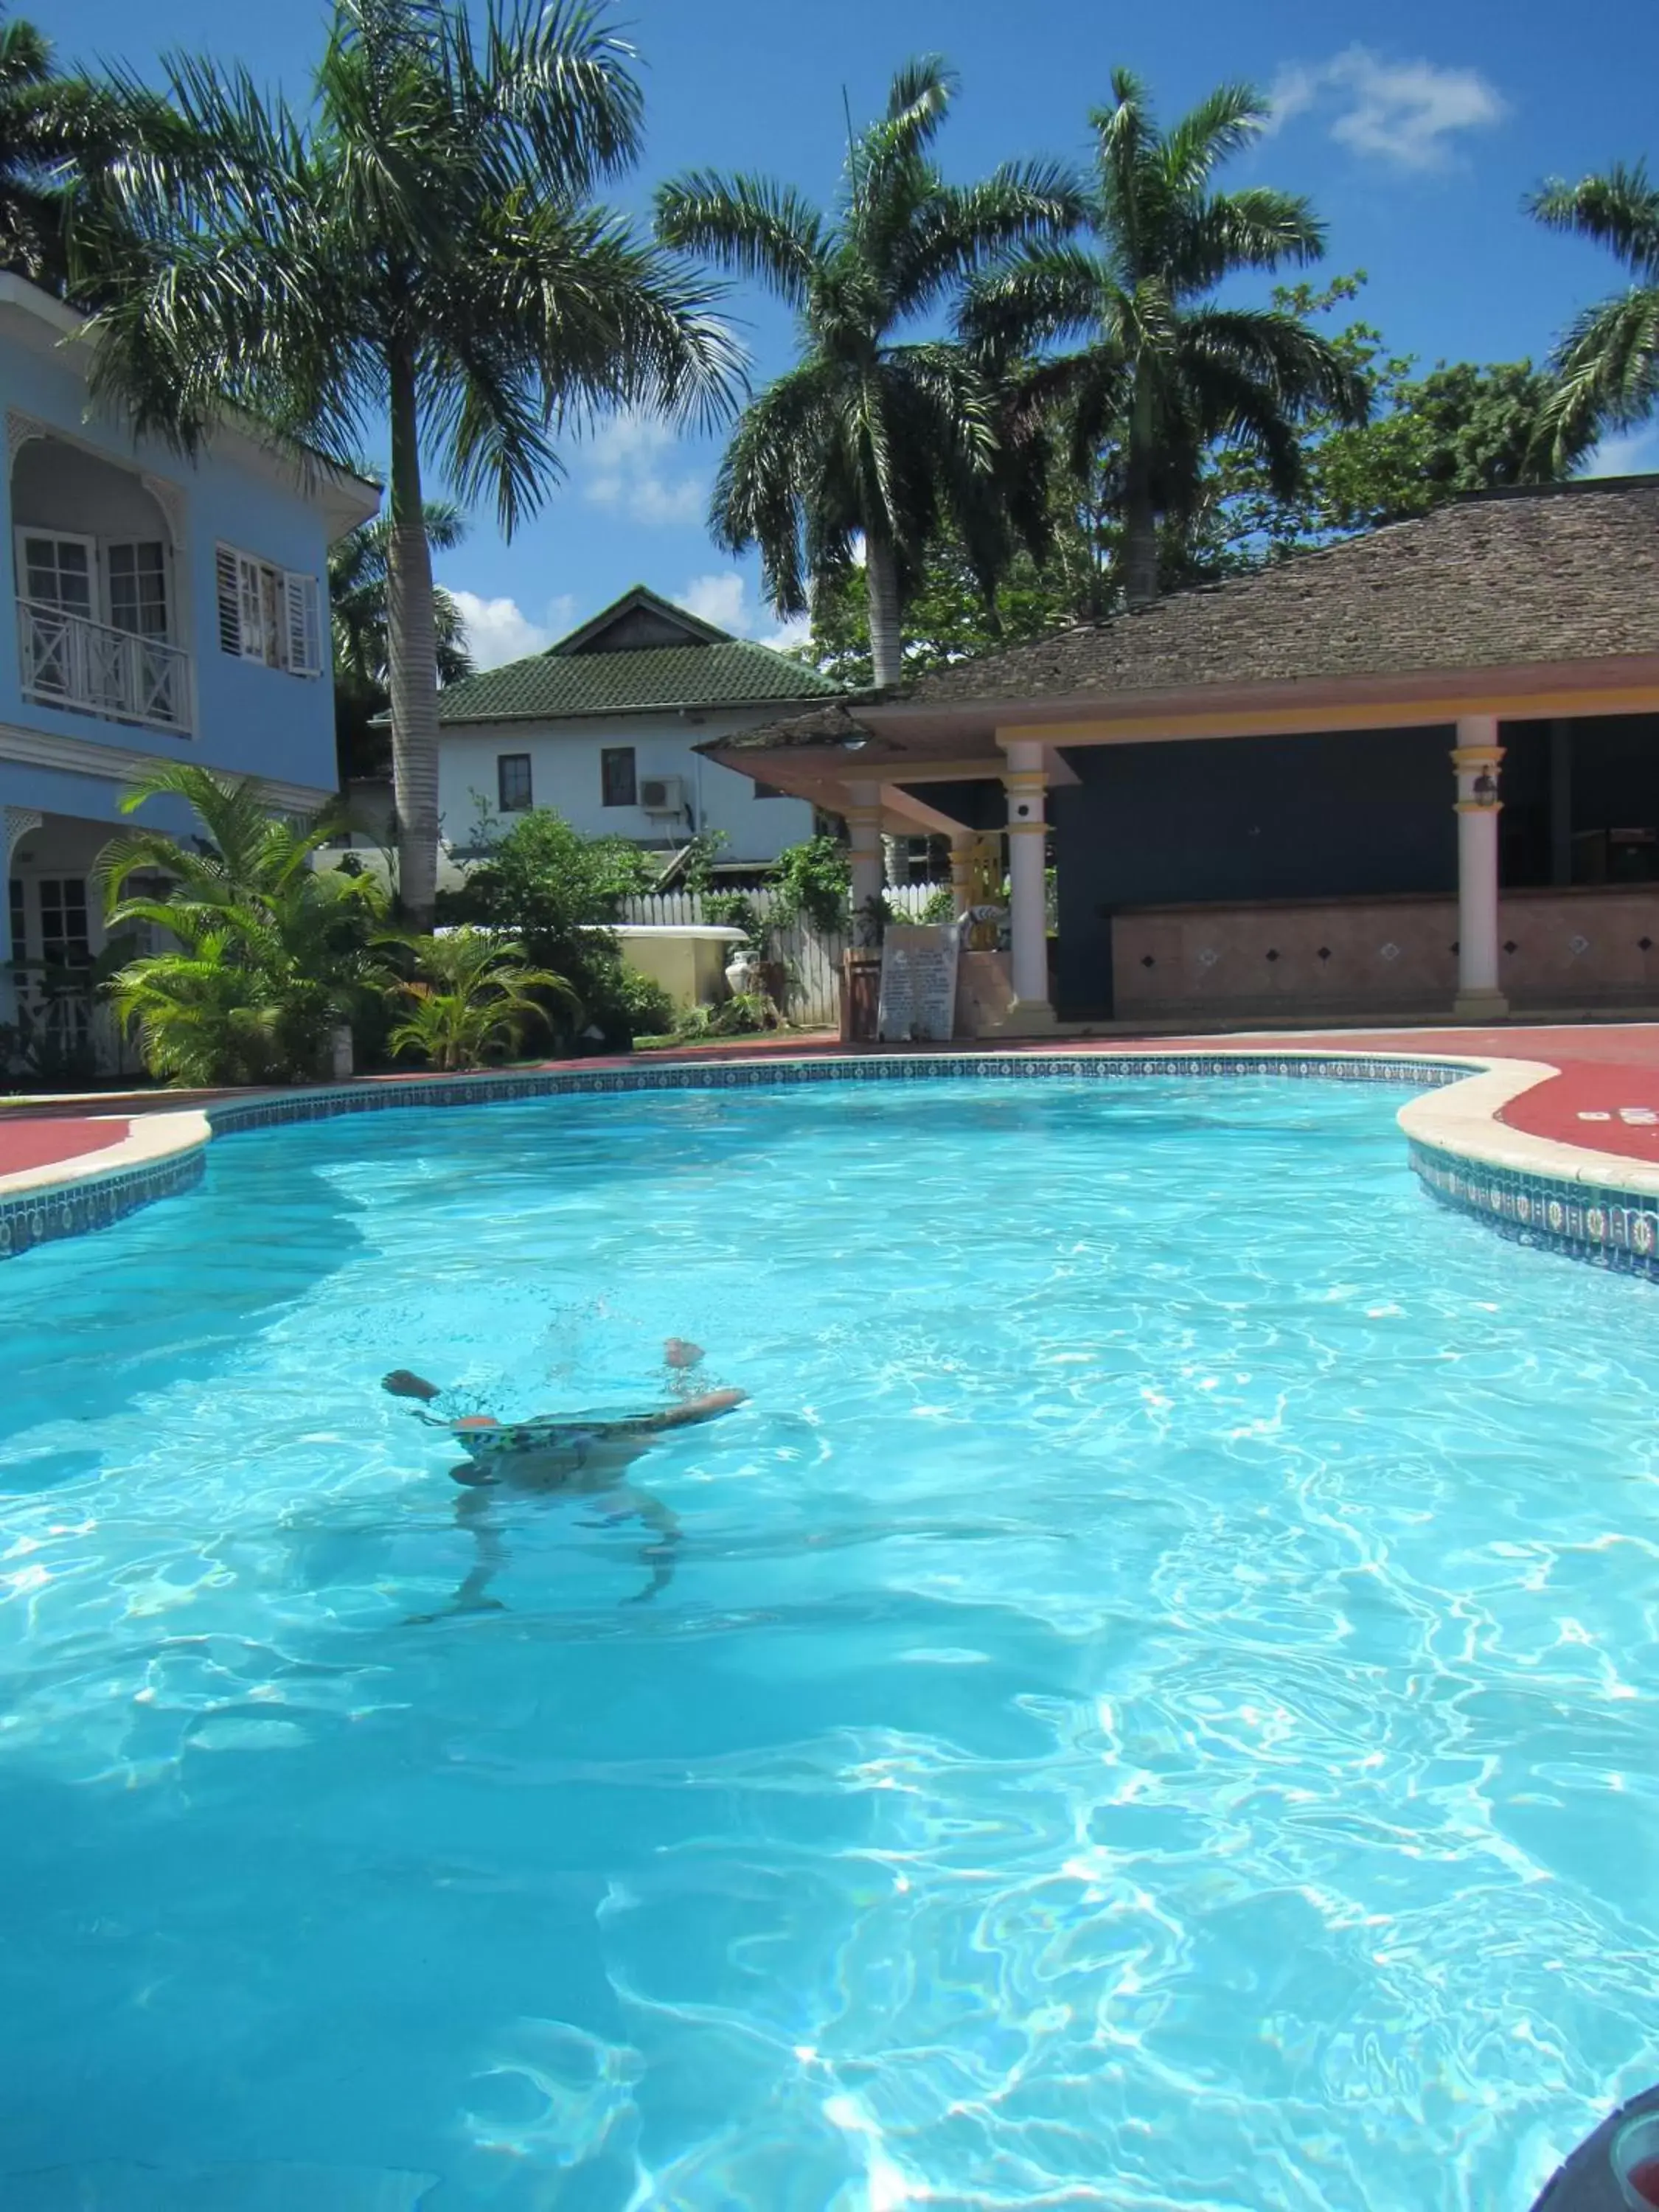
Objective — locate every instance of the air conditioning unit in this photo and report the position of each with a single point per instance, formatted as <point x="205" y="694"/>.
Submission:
<point x="662" y="794"/>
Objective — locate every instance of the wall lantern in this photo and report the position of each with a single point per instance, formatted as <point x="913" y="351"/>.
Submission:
<point x="1484" y="788"/>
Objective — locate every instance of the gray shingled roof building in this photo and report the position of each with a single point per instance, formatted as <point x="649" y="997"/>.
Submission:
<point x="1249" y="805"/>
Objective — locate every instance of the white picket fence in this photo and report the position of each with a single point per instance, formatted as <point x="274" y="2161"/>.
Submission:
<point x="812" y="963"/>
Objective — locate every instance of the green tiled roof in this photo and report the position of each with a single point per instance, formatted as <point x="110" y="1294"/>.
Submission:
<point x="551" y="685"/>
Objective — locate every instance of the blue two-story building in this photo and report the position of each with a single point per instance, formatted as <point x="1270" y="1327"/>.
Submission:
<point x="164" y="609"/>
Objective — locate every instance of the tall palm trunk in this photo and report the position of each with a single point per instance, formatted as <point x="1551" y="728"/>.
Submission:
<point x="411" y="661"/>
<point x="1140" y="516"/>
<point x="881" y="581"/>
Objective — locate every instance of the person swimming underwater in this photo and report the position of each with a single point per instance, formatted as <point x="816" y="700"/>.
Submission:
<point x="585" y="1453"/>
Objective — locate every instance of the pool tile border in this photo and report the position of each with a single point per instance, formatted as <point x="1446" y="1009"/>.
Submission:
<point x="1606" y="1222"/>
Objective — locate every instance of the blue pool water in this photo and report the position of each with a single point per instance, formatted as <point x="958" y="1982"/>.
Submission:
<point x="1154" y="1706"/>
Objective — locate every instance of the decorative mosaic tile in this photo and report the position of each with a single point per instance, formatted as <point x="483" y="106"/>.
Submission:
<point x="1609" y="1228"/>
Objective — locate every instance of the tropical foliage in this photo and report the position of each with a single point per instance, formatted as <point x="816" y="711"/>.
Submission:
<point x="1164" y="372"/>
<point x="1607" y="364"/>
<point x="472" y="999"/>
<point x="419" y="252"/>
<point x="270" y="955"/>
<point x="874" y="435"/>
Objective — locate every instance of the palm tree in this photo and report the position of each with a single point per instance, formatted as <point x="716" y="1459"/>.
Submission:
<point x="272" y="952"/>
<point x="358" y="575"/>
<point x="48" y="125"/>
<point x="357" y="585"/>
<point x="1607" y="366"/>
<point x="473" y="999"/>
<point x="1164" y="372"/>
<point x="869" y="433"/>
<point x="420" y="252"/>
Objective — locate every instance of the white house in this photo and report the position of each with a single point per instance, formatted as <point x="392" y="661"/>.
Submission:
<point x="163" y="610"/>
<point x="603" y="728"/>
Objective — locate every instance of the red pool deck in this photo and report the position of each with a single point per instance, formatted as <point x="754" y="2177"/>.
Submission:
<point x="1604" y="1094"/>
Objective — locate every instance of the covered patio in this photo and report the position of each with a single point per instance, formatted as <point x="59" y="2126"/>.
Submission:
<point x="1413" y="775"/>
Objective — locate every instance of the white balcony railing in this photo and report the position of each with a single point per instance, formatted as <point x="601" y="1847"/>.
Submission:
<point x="69" y="661"/>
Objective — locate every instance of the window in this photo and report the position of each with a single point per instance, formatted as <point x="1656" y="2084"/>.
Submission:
<point x="138" y="589"/>
<point x="58" y="572"/>
<point x="616" y="779"/>
<point x="512" y="781"/>
<point x="63" y="939"/>
<point x="268" y="613"/>
<point x="20" y="942"/>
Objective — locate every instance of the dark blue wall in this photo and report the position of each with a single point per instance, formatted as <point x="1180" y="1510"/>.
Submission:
<point x="1348" y="815"/>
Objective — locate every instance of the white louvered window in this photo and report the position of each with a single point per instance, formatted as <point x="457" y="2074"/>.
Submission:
<point x="269" y="614"/>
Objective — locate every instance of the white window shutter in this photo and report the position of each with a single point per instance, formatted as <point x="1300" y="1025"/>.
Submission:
<point x="227" y="571"/>
<point x="304" y="624"/>
<point x="250" y="591"/>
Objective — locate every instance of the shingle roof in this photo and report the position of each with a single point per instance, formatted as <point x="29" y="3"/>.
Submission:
<point x="1567" y="572"/>
<point x="1558" y="573"/>
<point x="834" y="724"/>
<point x="639" y="670"/>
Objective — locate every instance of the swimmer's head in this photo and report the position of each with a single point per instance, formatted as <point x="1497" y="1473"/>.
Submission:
<point x="680" y="1352"/>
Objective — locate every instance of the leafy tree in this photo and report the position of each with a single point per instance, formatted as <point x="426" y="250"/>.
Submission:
<point x="272" y="952"/>
<point x="1164" y="372"/>
<point x="870" y="434"/>
<point x="421" y="250"/>
<point x="812" y="881"/>
<point x="1607" y="364"/>
<point x="471" y="1000"/>
<point x="1461" y="428"/>
<point x="555" y="891"/>
<point x="358" y="568"/>
<point x="950" y="616"/>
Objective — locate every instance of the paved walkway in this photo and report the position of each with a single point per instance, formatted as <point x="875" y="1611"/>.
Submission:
<point x="1605" y="1094"/>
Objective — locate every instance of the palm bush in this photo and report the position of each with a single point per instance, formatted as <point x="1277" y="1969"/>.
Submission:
<point x="420" y="255"/>
<point x="472" y="999"/>
<point x="271" y="953"/>
<point x="1163" y="373"/>
<point x="870" y="434"/>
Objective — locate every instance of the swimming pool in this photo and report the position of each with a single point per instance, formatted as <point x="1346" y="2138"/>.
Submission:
<point x="1151" y="1706"/>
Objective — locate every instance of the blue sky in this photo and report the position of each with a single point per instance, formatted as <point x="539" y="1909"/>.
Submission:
<point x="1416" y="132"/>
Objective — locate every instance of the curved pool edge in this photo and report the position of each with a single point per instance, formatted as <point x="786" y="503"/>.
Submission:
<point x="1596" y="1206"/>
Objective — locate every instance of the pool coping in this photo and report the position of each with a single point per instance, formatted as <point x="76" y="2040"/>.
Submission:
<point x="1598" y="1206"/>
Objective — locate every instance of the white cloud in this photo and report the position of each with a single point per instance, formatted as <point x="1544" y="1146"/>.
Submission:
<point x="632" y="468"/>
<point x="499" y="629"/>
<point x="1625" y="453"/>
<point x="717" y="599"/>
<point x="1408" y="114"/>
<point x="723" y="599"/>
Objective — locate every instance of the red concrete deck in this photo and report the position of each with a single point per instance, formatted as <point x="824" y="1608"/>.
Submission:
<point x="39" y="1144"/>
<point x="1604" y="1096"/>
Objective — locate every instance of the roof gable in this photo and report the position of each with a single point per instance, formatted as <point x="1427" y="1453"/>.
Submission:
<point x="639" y="621"/>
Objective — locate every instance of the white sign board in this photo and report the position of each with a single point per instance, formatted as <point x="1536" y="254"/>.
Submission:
<point x="919" y="982"/>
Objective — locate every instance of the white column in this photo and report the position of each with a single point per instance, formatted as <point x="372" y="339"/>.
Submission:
<point x="1476" y="760"/>
<point x="1025" y="781"/>
<point x="863" y="817"/>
